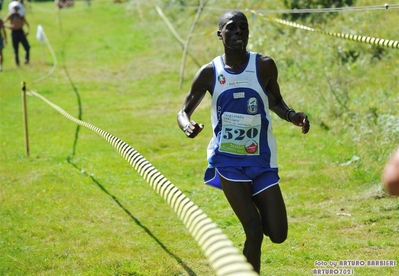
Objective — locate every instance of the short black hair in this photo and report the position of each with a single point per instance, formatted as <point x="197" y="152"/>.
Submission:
<point x="227" y="15"/>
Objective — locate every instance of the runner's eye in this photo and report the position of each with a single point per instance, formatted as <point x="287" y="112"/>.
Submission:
<point x="230" y="27"/>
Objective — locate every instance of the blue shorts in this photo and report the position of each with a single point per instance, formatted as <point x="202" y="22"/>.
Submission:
<point x="260" y="177"/>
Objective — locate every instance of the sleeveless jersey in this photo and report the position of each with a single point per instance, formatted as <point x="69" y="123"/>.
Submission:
<point x="241" y="123"/>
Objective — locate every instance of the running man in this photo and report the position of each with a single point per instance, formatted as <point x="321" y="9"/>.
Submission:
<point x="242" y="153"/>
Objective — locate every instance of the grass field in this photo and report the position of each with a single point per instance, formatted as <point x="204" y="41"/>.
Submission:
<point x="76" y="207"/>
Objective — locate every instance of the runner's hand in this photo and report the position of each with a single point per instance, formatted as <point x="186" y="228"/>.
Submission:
<point x="192" y="129"/>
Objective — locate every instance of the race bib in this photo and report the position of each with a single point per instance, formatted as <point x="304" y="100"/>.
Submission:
<point x="240" y="134"/>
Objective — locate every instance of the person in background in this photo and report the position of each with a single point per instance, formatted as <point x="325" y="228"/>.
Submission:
<point x="3" y="42"/>
<point x="242" y="153"/>
<point x="20" y="4"/>
<point x="390" y="175"/>
<point x="17" y="23"/>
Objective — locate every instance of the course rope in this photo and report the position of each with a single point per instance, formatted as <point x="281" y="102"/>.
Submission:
<point x="334" y="9"/>
<point x="222" y="255"/>
<point x="346" y="9"/>
<point x="364" y="39"/>
<point x="45" y="39"/>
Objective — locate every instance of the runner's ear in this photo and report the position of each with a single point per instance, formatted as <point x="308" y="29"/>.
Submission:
<point x="219" y="35"/>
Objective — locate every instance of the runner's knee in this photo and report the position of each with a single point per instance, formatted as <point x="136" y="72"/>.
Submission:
<point x="254" y="233"/>
<point x="279" y="237"/>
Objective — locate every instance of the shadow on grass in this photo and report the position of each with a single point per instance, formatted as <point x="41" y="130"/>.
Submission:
<point x="80" y="115"/>
<point x="179" y="261"/>
<point x="79" y="104"/>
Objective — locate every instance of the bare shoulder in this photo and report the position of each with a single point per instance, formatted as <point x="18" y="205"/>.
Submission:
<point x="265" y="61"/>
<point x="266" y="67"/>
<point x="206" y="70"/>
<point x="204" y="78"/>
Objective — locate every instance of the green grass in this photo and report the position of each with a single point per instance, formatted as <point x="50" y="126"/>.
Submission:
<point x="84" y="210"/>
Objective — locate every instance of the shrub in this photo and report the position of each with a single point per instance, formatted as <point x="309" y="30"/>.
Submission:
<point x="314" y="4"/>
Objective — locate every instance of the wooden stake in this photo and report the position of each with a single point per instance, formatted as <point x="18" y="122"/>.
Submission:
<point x="25" y="116"/>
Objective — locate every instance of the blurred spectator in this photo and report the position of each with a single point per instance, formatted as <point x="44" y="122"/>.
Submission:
<point x="390" y="175"/>
<point x="3" y="42"/>
<point x="17" y="22"/>
<point x="13" y="4"/>
<point x="64" y="3"/>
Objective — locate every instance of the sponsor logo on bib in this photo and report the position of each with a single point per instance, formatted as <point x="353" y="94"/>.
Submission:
<point x="252" y="105"/>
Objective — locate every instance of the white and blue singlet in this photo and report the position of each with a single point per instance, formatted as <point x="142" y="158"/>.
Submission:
<point x="242" y="128"/>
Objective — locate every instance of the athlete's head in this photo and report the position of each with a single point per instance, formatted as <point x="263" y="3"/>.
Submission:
<point x="233" y="29"/>
<point x="227" y="15"/>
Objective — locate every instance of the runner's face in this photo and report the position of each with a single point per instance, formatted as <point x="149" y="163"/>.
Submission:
<point x="235" y="32"/>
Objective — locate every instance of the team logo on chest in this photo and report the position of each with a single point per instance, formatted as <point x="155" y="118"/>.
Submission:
<point x="221" y="79"/>
<point x="252" y="105"/>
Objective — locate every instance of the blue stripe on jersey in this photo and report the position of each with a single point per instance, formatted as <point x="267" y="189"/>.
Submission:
<point x="233" y="93"/>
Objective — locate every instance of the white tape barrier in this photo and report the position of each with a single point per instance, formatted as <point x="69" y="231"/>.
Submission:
<point x="221" y="253"/>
